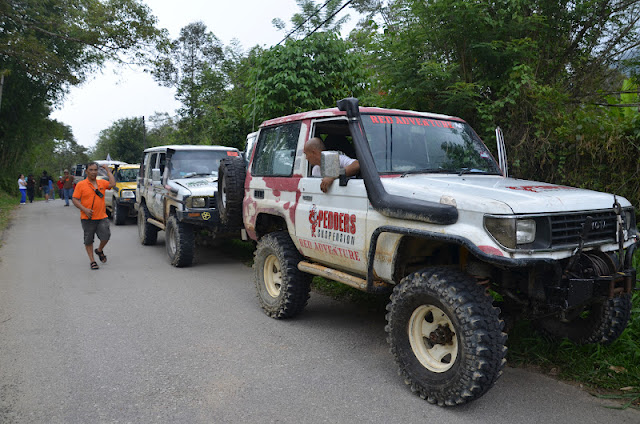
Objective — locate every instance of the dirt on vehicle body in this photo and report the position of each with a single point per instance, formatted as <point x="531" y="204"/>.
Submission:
<point x="176" y="192"/>
<point x="433" y="220"/>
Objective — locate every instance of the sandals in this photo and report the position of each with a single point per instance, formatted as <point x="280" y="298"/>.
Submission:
<point x="101" y="255"/>
<point x="103" y="259"/>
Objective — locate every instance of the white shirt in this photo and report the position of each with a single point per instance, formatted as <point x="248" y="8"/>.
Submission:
<point x="22" y="184"/>
<point x="344" y="162"/>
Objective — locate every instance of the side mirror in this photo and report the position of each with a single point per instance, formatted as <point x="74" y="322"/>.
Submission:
<point x="330" y="164"/>
<point x="155" y="175"/>
<point x="502" y="153"/>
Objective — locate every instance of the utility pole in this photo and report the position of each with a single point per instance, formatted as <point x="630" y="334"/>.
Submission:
<point x="144" y="134"/>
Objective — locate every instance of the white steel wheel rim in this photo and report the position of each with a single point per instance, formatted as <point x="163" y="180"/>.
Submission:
<point x="171" y="240"/>
<point x="272" y="272"/>
<point x="425" y="322"/>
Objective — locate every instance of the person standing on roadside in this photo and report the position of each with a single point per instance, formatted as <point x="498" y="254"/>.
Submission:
<point x="60" y="184"/>
<point x="67" y="187"/>
<point x="31" y="187"/>
<point x="52" y="190"/>
<point x="22" y="186"/>
<point x="44" y="185"/>
<point x="88" y="196"/>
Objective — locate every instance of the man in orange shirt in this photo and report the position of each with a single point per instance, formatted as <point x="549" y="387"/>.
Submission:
<point x="88" y="196"/>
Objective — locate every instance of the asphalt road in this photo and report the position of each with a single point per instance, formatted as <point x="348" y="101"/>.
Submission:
<point x="139" y="341"/>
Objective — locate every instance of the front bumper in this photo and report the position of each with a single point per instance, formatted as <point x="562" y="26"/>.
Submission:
<point x="576" y="291"/>
<point x="202" y="217"/>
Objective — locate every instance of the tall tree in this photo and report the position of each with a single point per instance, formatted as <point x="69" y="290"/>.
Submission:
<point x="46" y="46"/>
<point x="314" y="16"/>
<point x="306" y="74"/>
<point x="58" y="43"/>
<point x="123" y="140"/>
<point x="192" y="66"/>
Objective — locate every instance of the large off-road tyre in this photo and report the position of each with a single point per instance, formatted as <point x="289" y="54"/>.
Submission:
<point x="283" y="290"/>
<point x="119" y="213"/>
<point x="180" y="241"/>
<point x="148" y="233"/>
<point x="231" y="175"/>
<point x="601" y="322"/>
<point x="445" y="335"/>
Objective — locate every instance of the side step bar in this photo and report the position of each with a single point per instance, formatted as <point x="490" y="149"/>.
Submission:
<point x="156" y="223"/>
<point x="342" y="277"/>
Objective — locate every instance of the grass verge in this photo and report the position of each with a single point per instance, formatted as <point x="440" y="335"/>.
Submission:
<point x="7" y="204"/>
<point x="611" y="372"/>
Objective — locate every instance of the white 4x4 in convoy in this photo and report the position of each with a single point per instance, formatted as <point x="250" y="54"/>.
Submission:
<point x="432" y="219"/>
<point x="176" y="192"/>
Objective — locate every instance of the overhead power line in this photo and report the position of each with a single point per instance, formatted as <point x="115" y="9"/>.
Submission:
<point x="306" y="20"/>
<point x="329" y="18"/>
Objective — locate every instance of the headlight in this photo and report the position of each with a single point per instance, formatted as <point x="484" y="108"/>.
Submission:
<point x="197" y="202"/>
<point x="511" y="232"/>
<point x="525" y="231"/>
<point x="128" y="194"/>
<point x="502" y="229"/>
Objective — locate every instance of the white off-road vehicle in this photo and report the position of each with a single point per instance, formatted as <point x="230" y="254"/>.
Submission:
<point x="434" y="220"/>
<point x="176" y="192"/>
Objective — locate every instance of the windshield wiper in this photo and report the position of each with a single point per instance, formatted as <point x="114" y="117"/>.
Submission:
<point x="195" y="174"/>
<point x="476" y="171"/>
<point x="448" y="171"/>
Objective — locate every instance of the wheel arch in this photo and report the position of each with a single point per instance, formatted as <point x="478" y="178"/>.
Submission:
<point x="415" y="252"/>
<point x="269" y="222"/>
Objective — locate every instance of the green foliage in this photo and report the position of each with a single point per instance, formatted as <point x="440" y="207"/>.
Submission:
<point x="7" y="204"/>
<point x="610" y="367"/>
<point x="301" y="75"/>
<point x="540" y="70"/>
<point x="123" y="141"/>
<point x="58" y="43"/>
<point x="192" y="66"/>
<point x="315" y="15"/>
<point x="46" y="46"/>
<point x="162" y="130"/>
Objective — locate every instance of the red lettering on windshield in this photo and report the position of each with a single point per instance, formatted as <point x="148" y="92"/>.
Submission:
<point x="407" y="120"/>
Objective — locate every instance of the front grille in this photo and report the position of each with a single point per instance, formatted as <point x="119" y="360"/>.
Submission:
<point x="567" y="229"/>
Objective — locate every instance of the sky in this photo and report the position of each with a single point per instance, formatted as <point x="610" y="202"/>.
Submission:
<point x="126" y="92"/>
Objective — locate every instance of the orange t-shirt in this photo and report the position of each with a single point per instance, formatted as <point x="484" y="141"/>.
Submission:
<point x="90" y="200"/>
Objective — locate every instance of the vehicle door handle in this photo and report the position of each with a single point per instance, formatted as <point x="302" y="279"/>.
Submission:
<point x="258" y="194"/>
<point x="307" y="198"/>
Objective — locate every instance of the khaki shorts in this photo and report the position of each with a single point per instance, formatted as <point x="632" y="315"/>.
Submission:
<point x="92" y="227"/>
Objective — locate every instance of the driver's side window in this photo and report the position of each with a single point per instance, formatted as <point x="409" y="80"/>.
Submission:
<point x="336" y="136"/>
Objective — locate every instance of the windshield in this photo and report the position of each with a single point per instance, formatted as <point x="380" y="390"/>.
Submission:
<point x="127" y="175"/>
<point x="403" y="144"/>
<point x="191" y="163"/>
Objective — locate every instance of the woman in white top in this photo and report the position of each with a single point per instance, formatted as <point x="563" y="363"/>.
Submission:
<point x="22" y="185"/>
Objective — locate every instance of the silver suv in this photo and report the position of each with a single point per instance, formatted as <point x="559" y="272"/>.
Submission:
<point x="176" y="192"/>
